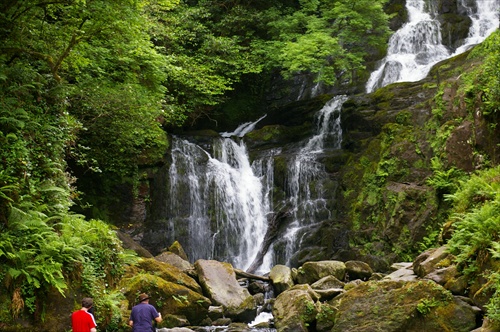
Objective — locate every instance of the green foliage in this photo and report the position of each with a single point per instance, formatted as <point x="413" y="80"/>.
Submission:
<point x="486" y="79"/>
<point x="425" y="306"/>
<point x="328" y="38"/>
<point x="444" y="181"/>
<point x="38" y="252"/>
<point x="477" y="228"/>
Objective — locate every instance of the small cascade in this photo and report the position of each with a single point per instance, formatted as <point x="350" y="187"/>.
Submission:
<point x="484" y="15"/>
<point x="417" y="46"/>
<point x="306" y="174"/>
<point x="412" y="50"/>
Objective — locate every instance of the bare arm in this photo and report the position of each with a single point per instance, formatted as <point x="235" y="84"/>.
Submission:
<point x="131" y="322"/>
<point x="158" y="319"/>
<point x="93" y="329"/>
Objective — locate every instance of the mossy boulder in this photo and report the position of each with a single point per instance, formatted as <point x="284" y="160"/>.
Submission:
<point x="168" y="297"/>
<point x="281" y="276"/>
<point x="175" y="260"/>
<point x="358" y="270"/>
<point x="177" y="249"/>
<point x="311" y="272"/>
<point x="170" y="273"/>
<point x="409" y="306"/>
<point x="295" y="309"/>
<point x="219" y="283"/>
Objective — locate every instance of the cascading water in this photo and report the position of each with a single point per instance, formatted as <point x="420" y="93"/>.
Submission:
<point x="417" y="46"/>
<point x="484" y="15"/>
<point x="306" y="173"/>
<point x="412" y="50"/>
<point x="217" y="205"/>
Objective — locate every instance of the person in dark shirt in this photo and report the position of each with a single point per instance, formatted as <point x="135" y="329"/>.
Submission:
<point x="143" y="314"/>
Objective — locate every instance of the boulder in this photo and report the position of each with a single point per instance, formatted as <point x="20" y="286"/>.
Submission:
<point x="327" y="282"/>
<point x="328" y="294"/>
<point x="402" y="272"/>
<point x="408" y="306"/>
<point x="177" y="249"/>
<point x="295" y="309"/>
<point x="129" y="243"/>
<point x="311" y="272"/>
<point x="175" y="260"/>
<point x="325" y="318"/>
<point x="219" y="283"/>
<point x="358" y="270"/>
<point x="428" y="261"/>
<point x="281" y="276"/>
<point x="170" y="273"/>
<point x="457" y="285"/>
<point x="169" y="298"/>
<point x="443" y="275"/>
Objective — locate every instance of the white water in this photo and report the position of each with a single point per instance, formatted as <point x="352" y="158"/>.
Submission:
<point x="485" y="19"/>
<point x="417" y="46"/>
<point x="305" y="175"/>
<point x="218" y="205"/>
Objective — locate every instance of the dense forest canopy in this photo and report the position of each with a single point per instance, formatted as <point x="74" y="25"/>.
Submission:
<point x="92" y="85"/>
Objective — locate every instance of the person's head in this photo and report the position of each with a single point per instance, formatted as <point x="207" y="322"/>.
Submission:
<point x="143" y="297"/>
<point x="87" y="302"/>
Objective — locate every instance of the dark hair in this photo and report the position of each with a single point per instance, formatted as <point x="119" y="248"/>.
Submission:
<point x="87" y="302"/>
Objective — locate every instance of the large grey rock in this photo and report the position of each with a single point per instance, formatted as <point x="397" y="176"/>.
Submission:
<point x="219" y="283"/>
<point x="311" y="272"/>
<point x="404" y="272"/>
<point x="281" y="276"/>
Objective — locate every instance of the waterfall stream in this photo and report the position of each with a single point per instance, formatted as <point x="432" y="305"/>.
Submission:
<point x="417" y="45"/>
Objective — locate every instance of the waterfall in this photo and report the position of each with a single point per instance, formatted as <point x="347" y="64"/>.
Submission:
<point x="484" y="16"/>
<point x="217" y="204"/>
<point x="412" y="50"/>
<point x="417" y="46"/>
<point x="306" y="174"/>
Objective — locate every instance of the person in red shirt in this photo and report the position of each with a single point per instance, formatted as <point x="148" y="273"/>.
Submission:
<point x="82" y="320"/>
